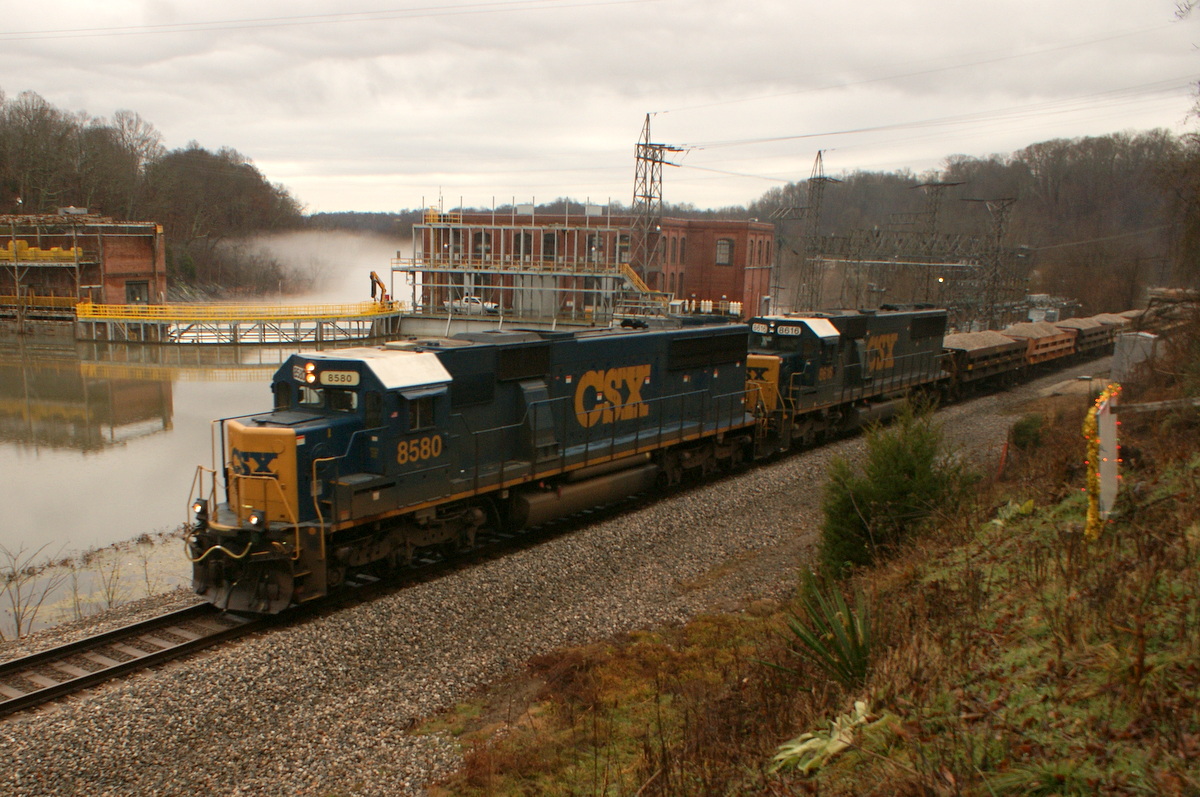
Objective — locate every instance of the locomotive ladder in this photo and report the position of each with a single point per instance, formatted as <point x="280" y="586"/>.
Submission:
<point x="57" y="672"/>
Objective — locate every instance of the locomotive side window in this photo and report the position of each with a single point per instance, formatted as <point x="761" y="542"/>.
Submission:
<point x="373" y="409"/>
<point x="420" y="413"/>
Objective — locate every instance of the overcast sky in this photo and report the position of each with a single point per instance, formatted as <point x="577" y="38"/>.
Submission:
<point x="377" y="105"/>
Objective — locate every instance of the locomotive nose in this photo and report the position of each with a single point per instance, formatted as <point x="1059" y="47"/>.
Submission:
<point x="262" y="472"/>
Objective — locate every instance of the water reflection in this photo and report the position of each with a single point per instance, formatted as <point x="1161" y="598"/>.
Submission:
<point x="51" y="396"/>
<point x="99" y="442"/>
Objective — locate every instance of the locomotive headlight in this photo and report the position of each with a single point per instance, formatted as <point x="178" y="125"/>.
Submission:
<point x="310" y="375"/>
<point x="200" y="509"/>
<point x="257" y="519"/>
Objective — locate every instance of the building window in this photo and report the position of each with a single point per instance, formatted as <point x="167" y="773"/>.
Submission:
<point x="523" y="245"/>
<point x="674" y="250"/>
<point x="682" y="248"/>
<point x="595" y="245"/>
<point x="725" y="252"/>
<point x="137" y="292"/>
<point x="482" y="244"/>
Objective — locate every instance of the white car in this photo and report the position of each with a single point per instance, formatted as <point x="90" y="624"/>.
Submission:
<point x="472" y="305"/>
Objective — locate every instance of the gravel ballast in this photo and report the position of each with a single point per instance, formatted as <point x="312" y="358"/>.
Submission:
<point x="325" y="706"/>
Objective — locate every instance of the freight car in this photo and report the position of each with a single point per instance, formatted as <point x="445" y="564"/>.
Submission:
<point x="373" y="453"/>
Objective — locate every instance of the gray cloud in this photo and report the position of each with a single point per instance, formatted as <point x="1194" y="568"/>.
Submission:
<point x="384" y="110"/>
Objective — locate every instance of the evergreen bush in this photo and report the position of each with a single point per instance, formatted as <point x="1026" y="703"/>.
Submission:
<point x="871" y="510"/>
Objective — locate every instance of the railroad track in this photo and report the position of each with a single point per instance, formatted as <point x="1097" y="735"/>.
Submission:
<point x="58" y="672"/>
<point x="55" y="673"/>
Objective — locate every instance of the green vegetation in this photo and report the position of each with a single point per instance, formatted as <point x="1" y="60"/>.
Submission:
<point x="872" y="511"/>
<point x="834" y="638"/>
<point x="998" y="652"/>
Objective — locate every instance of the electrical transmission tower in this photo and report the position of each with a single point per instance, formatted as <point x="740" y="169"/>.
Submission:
<point x="1000" y="283"/>
<point x="808" y="290"/>
<point x="647" y="204"/>
<point x="803" y="275"/>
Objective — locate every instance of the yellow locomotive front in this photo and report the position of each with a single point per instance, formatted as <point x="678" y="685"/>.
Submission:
<point x="244" y="551"/>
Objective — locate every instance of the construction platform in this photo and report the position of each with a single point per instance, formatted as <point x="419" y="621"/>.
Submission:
<point x="237" y="323"/>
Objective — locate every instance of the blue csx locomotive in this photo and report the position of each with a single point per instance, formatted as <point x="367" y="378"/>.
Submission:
<point x="371" y="454"/>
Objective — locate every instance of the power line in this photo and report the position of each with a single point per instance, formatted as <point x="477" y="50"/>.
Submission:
<point x="417" y="12"/>
<point x="1174" y="84"/>
<point x="1145" y="231"/>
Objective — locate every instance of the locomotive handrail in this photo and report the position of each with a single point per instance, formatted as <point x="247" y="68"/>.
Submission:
<point x="316" y="499"/>
<point x="713" y="414"/>
<point x="198" y="478"/>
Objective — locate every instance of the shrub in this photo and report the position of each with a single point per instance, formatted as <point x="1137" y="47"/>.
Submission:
<point x="903" y="480"/>
<point x="1027" y="432"/>
<point x="829" y="635"/>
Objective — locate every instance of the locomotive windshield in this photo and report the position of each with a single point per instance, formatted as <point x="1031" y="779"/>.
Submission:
<point x="336" y="399"/>
<point x="768" y="342"/>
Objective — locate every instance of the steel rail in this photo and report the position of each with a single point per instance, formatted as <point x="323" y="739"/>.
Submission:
<point x="207" y="626"/>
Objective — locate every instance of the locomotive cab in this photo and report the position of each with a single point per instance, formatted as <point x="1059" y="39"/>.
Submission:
<point x="345" y="431"/>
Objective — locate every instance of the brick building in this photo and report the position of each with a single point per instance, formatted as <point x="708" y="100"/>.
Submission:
<point x="527" y="263"/>
<point x="75" y="256"/>
<point x="707" y="259"/>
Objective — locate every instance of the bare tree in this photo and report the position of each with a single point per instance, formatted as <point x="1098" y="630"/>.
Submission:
<point x="112" y="590"/>
<point x="26" y="581"/>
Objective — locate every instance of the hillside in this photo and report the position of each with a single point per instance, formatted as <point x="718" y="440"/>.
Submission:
<point x="1007" y="654"/>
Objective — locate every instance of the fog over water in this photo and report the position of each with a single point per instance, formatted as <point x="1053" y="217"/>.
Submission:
<point x="337" y="263"/>
<point x="99" y="443"/>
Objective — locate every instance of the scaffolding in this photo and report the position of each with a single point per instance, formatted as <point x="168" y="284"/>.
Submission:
<point x="62" y="255"/>
<point x="517" y="264"/>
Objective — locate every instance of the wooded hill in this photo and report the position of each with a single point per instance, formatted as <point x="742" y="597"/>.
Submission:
<point x="1103" y="216"/>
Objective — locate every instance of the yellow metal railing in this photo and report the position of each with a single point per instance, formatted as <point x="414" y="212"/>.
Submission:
<point x="22" y="251"/>
<point x="39" y="302"/>
<point x="435" y="216"/>
<point x="87" y="311"/>
<point x="637" y="282"/>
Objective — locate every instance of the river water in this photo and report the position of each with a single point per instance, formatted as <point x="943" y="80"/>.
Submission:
<point x="99" y="443"/>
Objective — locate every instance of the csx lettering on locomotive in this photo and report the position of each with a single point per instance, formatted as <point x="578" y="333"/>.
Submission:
<point x="881" y="351"/>
<point x="612" y="395"/>
<point x="253" y="463"/>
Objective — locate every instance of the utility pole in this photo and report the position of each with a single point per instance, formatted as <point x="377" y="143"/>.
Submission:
<point x="647" y="205"/>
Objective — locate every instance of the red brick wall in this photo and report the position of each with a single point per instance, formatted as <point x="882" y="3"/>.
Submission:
<point x="129" y="258"/>
<point x="747" y="277"/>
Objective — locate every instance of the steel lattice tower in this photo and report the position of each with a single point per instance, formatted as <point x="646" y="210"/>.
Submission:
<point x="647" y="202"/>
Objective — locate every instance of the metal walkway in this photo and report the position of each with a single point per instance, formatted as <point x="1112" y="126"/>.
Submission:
<point x="237" y="323"/>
